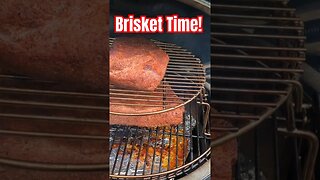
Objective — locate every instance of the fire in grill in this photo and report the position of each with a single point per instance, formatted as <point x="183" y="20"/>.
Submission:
<point x="164" y="152"/>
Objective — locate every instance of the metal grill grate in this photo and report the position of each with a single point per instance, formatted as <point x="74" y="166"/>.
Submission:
<point x="163" y="152"/>
<point x="185" y="76"/>
<point x="258" y="47"/>
<point x="35" y="115"/>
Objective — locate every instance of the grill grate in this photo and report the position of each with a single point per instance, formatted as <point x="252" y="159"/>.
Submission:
<point x="258" y="47"/>
<point x="36" y="114"/>
<point x="185" y="75"/>
<point x="162" y="152"/>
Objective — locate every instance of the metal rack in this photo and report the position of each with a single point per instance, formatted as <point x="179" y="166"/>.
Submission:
<point x="33" y="110"/>
<point x="163" y="152"/>
<point x="258" y="48"/>
<point x="257" y="51"/>
<point x="185" y="76"/>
